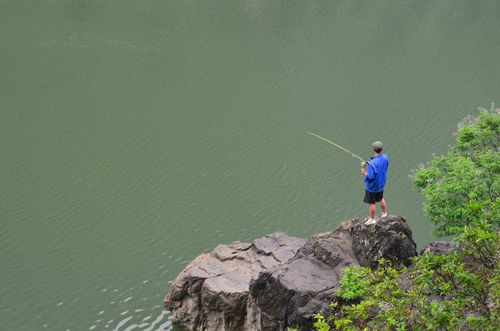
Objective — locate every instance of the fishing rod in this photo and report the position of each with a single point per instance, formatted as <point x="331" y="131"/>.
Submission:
<point x="334" y="144"/>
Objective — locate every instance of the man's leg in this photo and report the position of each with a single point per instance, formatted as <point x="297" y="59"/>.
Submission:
<point x="371" y="210"/>
<point x="383" y="206"/>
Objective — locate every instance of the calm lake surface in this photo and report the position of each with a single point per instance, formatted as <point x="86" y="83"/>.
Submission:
<point x="136" y="135"/>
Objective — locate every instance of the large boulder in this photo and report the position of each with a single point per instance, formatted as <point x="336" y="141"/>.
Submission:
<point x="211" y="292"/>
<point x="288" y="294"/>
<point x="278" y="280"/>
<point x="390" y="239"/>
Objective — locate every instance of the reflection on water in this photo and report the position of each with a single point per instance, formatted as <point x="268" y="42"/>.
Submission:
<point x="159" y="322"/>
<point x="122" y="310"/>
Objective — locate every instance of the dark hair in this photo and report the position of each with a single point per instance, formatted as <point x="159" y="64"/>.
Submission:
<point x="377" y="150"/>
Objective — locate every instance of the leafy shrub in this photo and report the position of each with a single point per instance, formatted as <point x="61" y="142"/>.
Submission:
<point x="353" y="283"/>
<point x="320" y="323"/>
<point x="463" y="186"/>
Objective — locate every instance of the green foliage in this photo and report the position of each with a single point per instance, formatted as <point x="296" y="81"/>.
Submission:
<point x="480" y="243"/>
<point x="320" y="323"/>
<point x="463" y="186"/>
<point x="439" y="292"/>
<point x="353" y="283"/>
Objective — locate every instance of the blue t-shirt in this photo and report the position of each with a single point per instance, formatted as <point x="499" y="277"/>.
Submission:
<point x="376" y="173"/>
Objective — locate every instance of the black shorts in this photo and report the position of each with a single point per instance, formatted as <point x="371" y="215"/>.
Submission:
<point x="371" y="197"/>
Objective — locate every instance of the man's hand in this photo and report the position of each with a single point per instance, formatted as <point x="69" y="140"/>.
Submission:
<point x="364" y="165"/>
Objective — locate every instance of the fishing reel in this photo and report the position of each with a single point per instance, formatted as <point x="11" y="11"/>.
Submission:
<point x="364" y="164"/>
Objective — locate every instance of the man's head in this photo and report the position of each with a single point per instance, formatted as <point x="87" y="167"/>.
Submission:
<point x="377" y="147"/>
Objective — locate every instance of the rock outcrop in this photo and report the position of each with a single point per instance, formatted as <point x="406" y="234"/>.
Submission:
<point x="390" y="239"/>
<point x="279" y="280"/>
<point x="440" y="248"/>
<point x="211" y="292"/>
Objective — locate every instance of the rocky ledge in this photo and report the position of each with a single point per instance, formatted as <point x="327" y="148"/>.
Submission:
<point x="279" y="280"/>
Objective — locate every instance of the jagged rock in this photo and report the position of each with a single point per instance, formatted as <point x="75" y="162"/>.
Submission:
<point x="278" y="280"/>
<point x="211" y="292"/>
<point x="390" y="238"/>
<point x="289" y="294"/>
<point x="440" y="248"/>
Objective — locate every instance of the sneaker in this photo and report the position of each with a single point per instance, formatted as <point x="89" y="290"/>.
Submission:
<point x="371" y="221"/>
<point x="384" y="214"/>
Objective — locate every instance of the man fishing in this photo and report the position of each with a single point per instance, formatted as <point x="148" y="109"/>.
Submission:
<point x="375" y="173"/>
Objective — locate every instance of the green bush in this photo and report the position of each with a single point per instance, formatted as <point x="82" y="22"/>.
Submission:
<point x="463" y="186"/>
<point x="353" y="283"/>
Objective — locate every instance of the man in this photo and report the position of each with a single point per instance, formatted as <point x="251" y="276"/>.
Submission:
<point x="375" y="175"/>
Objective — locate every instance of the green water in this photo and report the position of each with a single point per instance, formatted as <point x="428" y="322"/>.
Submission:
<point x="137" y="134"/>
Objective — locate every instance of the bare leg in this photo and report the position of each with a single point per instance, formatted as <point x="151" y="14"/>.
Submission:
<point x="383" y="206"/>
<point x="371" y="210"/>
